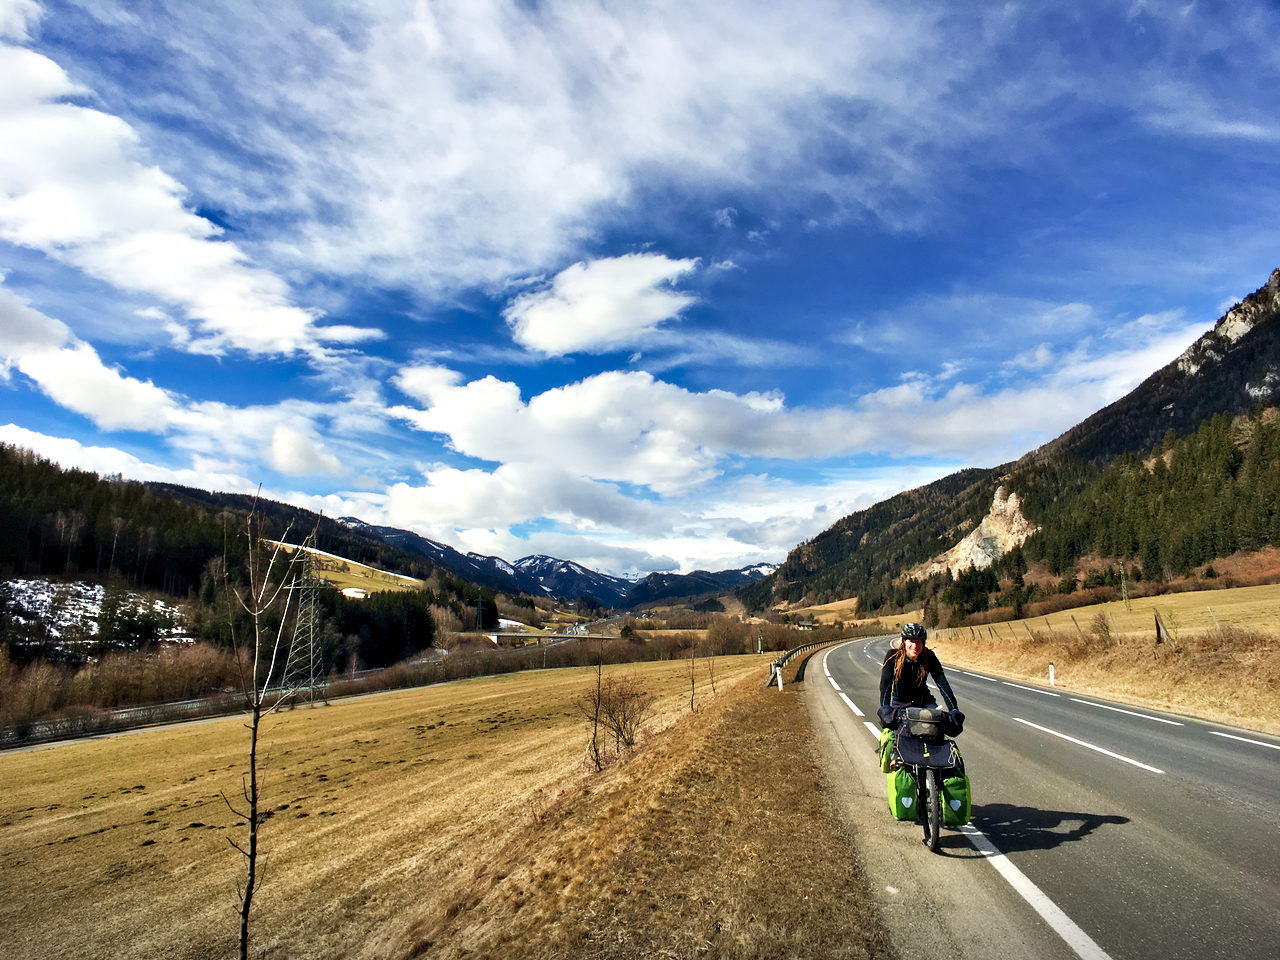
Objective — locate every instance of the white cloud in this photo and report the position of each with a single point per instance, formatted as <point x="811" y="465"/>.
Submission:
<point x="75" y="185"/>
<point x="294" y="452"/>
<point x="16" y="16"/>
<point x="76" y="378"/>
<point x="601" y="305"/>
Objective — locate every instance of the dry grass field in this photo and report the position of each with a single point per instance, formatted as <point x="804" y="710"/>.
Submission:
<point x="1225" y="669"/>
<point x="716" y="841"/>
<point x="385" y="811"/>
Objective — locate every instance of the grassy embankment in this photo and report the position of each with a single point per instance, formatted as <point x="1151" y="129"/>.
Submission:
<point x="1221" y="661"/>
<point x="438" y="821"/>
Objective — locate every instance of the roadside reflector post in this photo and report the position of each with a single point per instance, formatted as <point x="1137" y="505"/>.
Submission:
<point x="779" y="669"/>
<point x="1051" y="683"/>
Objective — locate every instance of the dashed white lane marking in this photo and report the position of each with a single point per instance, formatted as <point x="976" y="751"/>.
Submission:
<point x="1232" y="736"/>
<point x="852" y="706"/>
<point x="1047" y="693"/>
<point x="834" y="686"/>
<point x="978" y="676"/>
<point x="1062" y="925"/>
<point x="1091" y="746"/>
<point x="1144" y="716"/>
<point x="871" y="729"/>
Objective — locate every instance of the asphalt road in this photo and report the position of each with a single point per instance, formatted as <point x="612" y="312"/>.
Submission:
<point x="1099" y="829"/>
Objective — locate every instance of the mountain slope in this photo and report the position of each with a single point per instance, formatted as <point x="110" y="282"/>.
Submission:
<point x="1232" y="369"/>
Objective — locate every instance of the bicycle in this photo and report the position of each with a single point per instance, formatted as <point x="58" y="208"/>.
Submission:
<point x="923" y="748"/>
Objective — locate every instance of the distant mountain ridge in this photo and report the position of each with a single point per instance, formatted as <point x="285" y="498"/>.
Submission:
<point x="540" y="575"/>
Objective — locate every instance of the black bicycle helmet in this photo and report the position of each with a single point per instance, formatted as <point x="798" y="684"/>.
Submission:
<point x="914" y="631"/>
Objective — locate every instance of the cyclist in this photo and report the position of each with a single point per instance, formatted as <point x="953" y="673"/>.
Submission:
<point x="904" y="675"/>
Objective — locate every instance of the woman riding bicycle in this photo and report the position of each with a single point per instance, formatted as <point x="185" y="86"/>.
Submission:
<point x="904" y="677"/>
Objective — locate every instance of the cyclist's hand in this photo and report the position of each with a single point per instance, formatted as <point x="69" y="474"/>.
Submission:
<point x="957" y="721"/>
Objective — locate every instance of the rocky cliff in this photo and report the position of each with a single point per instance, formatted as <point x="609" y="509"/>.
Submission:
<point x="999" y="532"/>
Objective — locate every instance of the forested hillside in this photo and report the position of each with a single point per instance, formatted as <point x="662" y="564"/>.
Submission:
<point x="73" y="525"/>
<point x="1120" y="485"/>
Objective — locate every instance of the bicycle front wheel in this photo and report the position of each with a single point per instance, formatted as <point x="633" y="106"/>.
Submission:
<point x="933" y="801"/>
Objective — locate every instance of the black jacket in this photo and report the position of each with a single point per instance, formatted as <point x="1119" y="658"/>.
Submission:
<point x="913" y="690"/>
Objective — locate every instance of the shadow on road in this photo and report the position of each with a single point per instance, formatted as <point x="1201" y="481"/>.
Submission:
<point x="1014" y="828"/>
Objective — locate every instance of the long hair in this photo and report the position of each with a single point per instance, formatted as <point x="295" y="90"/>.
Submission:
<point x="900" y="663"/>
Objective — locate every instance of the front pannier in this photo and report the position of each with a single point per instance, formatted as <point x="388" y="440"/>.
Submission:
<point x="886" y="749"/>
<point x="927" y="723"/>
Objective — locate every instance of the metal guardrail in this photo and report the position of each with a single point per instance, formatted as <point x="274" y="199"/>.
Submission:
<point x="776" y="665"/>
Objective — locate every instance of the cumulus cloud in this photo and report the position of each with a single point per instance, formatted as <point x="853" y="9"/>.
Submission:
<point x="601" y="305"/>
<point x="294" y="452"/>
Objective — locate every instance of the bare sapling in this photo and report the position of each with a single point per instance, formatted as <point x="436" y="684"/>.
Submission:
<point x="590" y="704"/>
<point x="693" y="677"/>
<point x="261" y="650"/>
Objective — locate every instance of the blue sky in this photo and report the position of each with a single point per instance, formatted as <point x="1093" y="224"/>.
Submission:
<point x="650" y="286"/>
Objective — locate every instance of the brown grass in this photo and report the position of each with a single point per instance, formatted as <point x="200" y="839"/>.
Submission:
<point x="450" y="821"/>
<point x="715" y="841"/>
<point x="1227" y="672"/>
<point x="118" y="846"/>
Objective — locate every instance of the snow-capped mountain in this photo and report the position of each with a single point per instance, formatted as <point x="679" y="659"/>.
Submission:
<point x="563" y="579"/>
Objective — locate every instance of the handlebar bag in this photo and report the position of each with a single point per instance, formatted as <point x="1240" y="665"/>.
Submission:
<point x="902" y="794"/>
<point x="956" y="800"/>
<point x="927" y="723"/>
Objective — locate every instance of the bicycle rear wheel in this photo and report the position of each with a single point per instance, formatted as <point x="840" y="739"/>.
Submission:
<point x="933" y="802"/>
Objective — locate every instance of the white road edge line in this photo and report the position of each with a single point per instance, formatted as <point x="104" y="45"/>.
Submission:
<point x="871" y="728"/>
<point x="1062" y="925"/>
<point x="834" y="686"/>
<point x="1091" y="746"/>
<point x="978" y="676"/>
<point x="852" y="706"/>
<point x="1144" y="716"/>
<point x="1232" y="736"/>
<point x="1047" y="693"/>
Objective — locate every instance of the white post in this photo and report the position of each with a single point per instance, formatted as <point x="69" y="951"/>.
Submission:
<point x="1051" y="683"/>
<point x="779" y="678"/>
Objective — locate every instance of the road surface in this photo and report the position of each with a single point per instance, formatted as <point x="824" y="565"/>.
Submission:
<point x="1099" y="829"/>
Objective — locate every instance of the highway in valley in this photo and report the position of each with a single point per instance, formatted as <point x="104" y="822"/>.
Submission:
<point x="1099" y="829"/>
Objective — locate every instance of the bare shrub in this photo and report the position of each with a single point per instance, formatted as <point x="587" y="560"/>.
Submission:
<point x="1100" y="628"/>
<point x="624" y="706"/>
<point x="615" y="708"/>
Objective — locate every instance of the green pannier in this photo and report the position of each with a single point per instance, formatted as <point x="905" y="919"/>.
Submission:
<point x="886" y="749"/>
<point x="902" y="794"/>
<point x="956" y="801"/>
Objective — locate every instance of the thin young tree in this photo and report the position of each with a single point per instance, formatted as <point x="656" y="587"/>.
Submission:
<point x="693" y="679"/>
<point x="261" y="649"/>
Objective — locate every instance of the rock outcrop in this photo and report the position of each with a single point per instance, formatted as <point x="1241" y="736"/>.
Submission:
<point x="999" y="532"/>
<point x="1260" y="305"/>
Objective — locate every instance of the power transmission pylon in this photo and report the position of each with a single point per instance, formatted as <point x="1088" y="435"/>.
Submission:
<point x="302" y="672"/>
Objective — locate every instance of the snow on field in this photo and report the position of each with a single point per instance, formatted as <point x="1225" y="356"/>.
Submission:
<point x="69" y="611"/>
